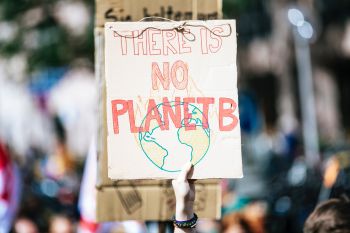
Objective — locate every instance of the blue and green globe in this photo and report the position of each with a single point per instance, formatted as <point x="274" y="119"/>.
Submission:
<point x="170" y="149"/>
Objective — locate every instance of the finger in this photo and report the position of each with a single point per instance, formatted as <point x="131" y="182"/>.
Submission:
<point x="186" y="169"/>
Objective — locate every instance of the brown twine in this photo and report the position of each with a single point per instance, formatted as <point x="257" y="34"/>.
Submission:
<point x="180" y="29"/>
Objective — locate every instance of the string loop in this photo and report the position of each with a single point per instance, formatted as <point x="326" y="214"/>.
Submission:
<point x="182" y="28"/>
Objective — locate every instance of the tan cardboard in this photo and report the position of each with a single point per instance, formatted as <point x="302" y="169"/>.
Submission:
<point x="134" y="10"/>
<point x="153" y="202"/>
<point x="102" y="178"/>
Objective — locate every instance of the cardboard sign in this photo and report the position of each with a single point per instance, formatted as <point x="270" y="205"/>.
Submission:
<point x="172" y="98"/>
<point x="148" y="201"/>
<point x="134" y="10"/>
<point x="118" y="200"/>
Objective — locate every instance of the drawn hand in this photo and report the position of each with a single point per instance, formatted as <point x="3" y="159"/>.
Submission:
<point x="184" y="193"/>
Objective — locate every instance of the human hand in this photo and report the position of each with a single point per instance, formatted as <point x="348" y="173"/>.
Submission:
<point x="184" y="193"/>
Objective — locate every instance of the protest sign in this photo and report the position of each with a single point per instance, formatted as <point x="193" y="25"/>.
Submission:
<point x="118" y="200"/>
<point x="172" y="98"/>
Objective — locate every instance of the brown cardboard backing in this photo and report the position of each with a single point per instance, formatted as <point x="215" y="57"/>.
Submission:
<point x="153" y="202"/>
<point x="134" y="10"/>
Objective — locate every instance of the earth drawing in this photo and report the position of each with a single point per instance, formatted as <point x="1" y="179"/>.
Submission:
<point x="170" y="149"/>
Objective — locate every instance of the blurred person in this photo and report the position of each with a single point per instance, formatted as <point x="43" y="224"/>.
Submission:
<point x="332" y="216"/>
<point x="88" y="193"/>
<point x="255" y="214"/>
<point x="61" y="224"/>
<point x="87" y="202"/>
<point x="60" y="163"/>
<point x="235" y="223"/>
<point x="25" y="225"/>
<point x="60" y="178"/>
<point x="250" y="219"/>
<point x="9" y="189"/>
<point x="121" y="227"/>
<point x="208" y="226"/>
<point x="336" y="177"/>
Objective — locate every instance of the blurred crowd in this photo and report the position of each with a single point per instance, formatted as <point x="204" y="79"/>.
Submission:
<point x="48" y="116"/>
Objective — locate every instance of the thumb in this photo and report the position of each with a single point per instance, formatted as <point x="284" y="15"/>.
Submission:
<point x="185" y="172"/>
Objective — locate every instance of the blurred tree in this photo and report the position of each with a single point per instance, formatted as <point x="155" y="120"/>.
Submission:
<point x="253" y="18"/>
<point x="333" y="11"/>
<point x="34" y="28"/>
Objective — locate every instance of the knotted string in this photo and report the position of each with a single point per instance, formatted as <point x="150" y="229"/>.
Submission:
<point x="181" y="28"/>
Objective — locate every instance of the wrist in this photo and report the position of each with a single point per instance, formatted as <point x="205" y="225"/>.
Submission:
<point x="187" y="224"/>
<point x="184" y="211"/>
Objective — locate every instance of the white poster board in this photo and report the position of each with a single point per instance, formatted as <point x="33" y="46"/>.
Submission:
<point x="172" y="98"/>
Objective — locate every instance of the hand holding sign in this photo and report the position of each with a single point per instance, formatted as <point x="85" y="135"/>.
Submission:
<point x="184" y="190"/>
<point x="184" y="193"/>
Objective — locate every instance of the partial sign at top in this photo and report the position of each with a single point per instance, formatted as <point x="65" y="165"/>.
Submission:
<point x="134" y="10"/>
<point x="172" y="98"/>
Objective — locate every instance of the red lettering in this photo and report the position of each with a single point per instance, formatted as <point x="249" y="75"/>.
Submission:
<point x="168" y="36"/>
<point x="140" y="41"/>
<point x="116" y="112"/>
<point x="180" y="85"/>
<point x="123" y="42"/>
<point x="152" y="114"/>
<point x="188" y="115"/>
<point x="183" y="47"/>
<point x="153" y="50"/>
<point x="171" y="111"/>
<point x="215" y="48"/>
<point x="156" y="74"/>
<point x="204" y="40"/>
<point x="227" y="113"/>
<point x="205" y="101"/>
<point x="133" y="127"/>
<point x="168" y="111"/>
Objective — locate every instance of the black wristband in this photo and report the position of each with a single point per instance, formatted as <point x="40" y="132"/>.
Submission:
<point x="191" y="223"/>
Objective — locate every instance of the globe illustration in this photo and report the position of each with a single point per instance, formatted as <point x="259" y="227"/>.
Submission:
<point x="170" y="149"/>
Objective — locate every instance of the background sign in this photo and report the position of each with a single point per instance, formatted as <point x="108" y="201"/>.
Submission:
<point x="134" y="10"/>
